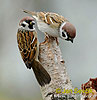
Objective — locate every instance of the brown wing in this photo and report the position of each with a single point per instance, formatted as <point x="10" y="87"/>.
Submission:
<point x="47" y="17"/>
<point x="52" y="19"/>
<point x="27" y="43"/>
<point x="57" y="18"/>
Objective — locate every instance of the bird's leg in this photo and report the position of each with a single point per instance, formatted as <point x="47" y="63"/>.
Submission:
<point x="47" y="37"/>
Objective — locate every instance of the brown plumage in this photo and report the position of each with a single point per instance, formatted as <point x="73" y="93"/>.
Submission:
<point x="29" y="49"/>
<point x="54" y="25"/>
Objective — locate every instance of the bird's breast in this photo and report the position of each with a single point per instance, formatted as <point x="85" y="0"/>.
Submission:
<point x="50" y="29"/>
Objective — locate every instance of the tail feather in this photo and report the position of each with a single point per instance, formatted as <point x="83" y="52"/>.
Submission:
<point x="30" y="12"/>
<point x="41" y="74"/>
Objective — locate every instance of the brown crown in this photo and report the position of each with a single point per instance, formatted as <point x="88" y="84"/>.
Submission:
<point x="26" y="18"/>
<point x="70" y="29"/>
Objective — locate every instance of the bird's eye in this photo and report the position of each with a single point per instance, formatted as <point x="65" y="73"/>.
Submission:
<point x="32" y="23"/>
<point x="23" y="25"/>
<point x="63" y="34"/>
<point x="27" y="21"/>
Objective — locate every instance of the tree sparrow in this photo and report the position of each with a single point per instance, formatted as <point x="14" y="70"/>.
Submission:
<point x="29" y="49"/>
<point x="54" y="25"/>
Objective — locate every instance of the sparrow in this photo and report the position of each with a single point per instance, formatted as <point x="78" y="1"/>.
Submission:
<point x="54" y="25"/>
<point x="29" y="49"/>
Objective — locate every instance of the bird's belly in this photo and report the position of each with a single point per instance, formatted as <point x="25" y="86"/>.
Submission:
<point x="43" y="27"/>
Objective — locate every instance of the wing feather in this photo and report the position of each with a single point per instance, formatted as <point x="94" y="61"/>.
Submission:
<point x="51" y="18"/>
<point x="27" y="45"/>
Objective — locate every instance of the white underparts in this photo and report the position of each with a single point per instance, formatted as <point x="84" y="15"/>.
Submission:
<point x="47" y="28"/>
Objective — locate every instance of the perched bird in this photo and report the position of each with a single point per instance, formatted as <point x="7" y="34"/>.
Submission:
<point x="29" y="49"/>
<point x="54" y="25"/>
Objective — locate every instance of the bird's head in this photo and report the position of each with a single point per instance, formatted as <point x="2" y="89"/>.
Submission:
<point x="67" y="31"/>
<point x="27" y="23"/>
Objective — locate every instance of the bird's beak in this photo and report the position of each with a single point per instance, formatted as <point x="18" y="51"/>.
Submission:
<point x="70" y="39"/>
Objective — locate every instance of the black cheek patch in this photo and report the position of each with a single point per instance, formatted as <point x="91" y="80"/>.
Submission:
<point x="23" y="25"/>
<point x="63" y="34"/>
<point x="30" y="26"/>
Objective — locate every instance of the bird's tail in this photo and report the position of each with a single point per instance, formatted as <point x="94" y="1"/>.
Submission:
<point x="41" y="74"/>
<point x="30" y="12"/>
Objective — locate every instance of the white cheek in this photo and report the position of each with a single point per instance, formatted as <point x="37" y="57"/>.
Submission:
<point x="20" y="27"/>
<point x="62" y="26"/>
<point x="25" y="23"/>
<point x="61" y="36"/>
<point x="65" y="35"/>
<point x="26" y="27"/>
<point x="62" y="31"/>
